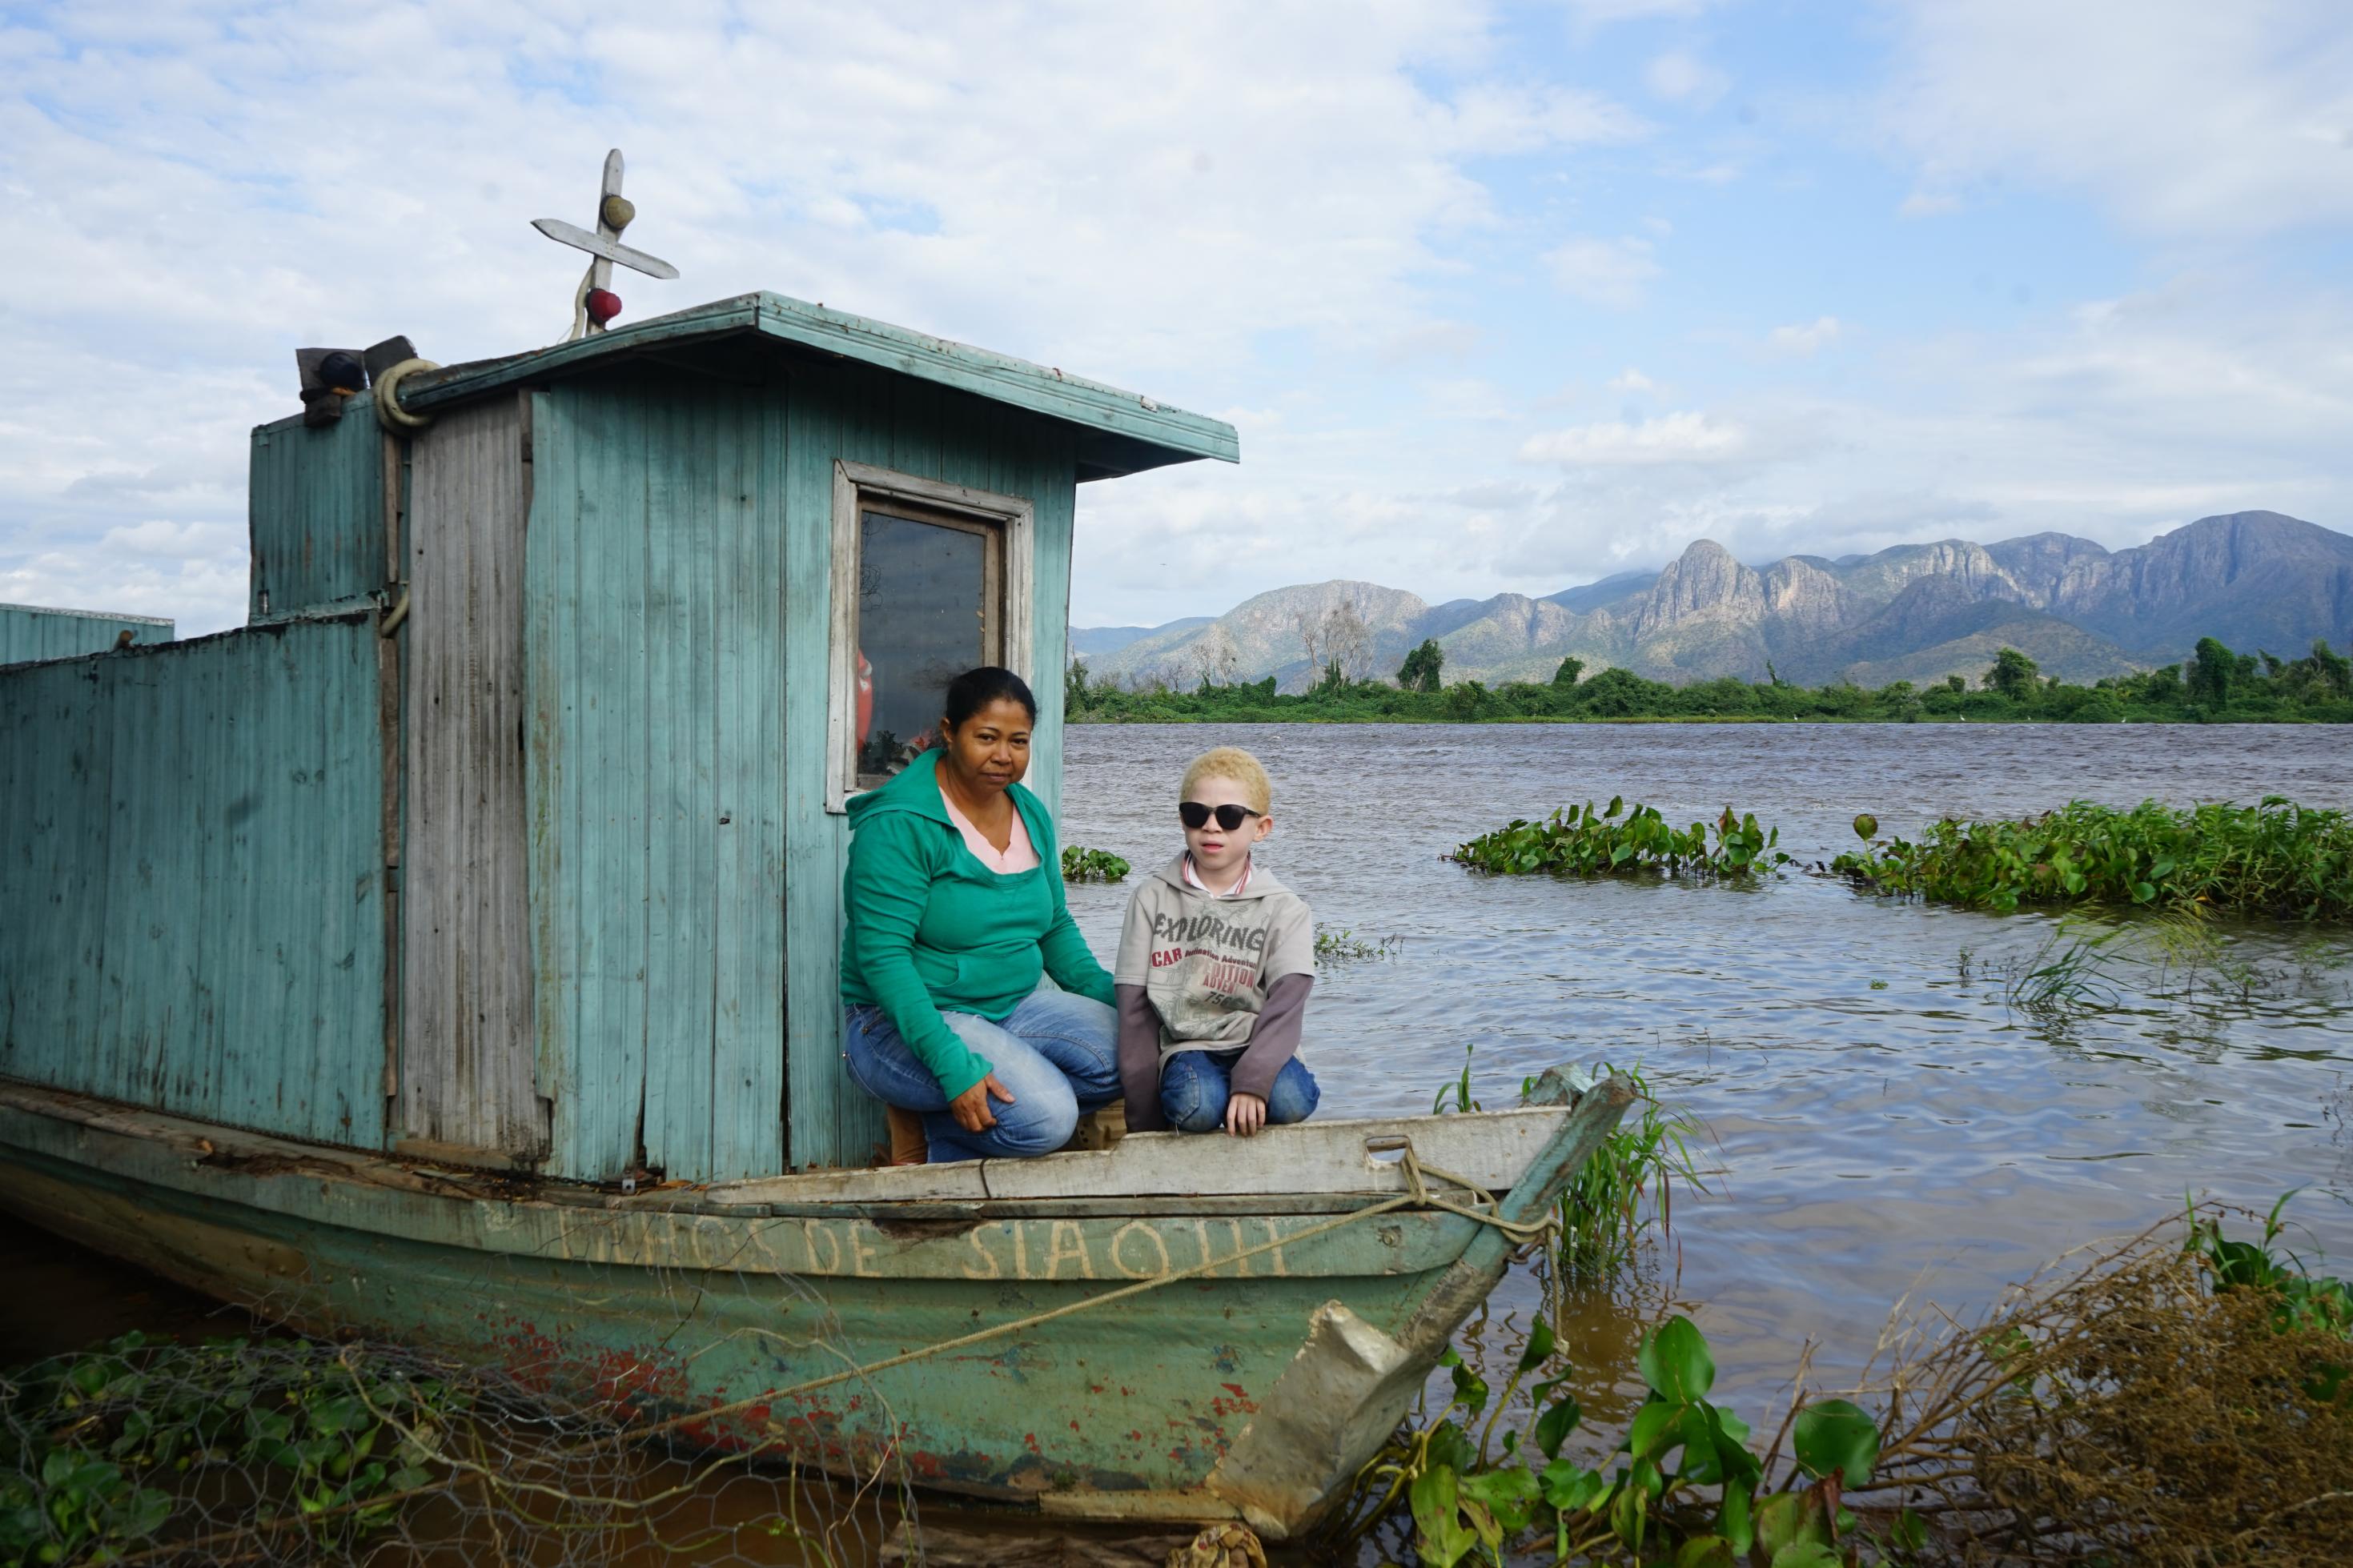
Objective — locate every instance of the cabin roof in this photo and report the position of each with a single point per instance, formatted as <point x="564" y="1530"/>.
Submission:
<point x="91" y="614"/>
<point x="1120" y="432"/>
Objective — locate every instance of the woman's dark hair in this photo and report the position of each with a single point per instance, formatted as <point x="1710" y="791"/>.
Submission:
<point x="975" y="689"/>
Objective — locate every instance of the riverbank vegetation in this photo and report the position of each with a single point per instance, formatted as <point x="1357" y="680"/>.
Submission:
<point x="2183" y="1398"/>
<point x="283" y="1450"/>
<point x="2216" y="685"/>
<point x="2274" y="858"/>
<point x="1584" y="841"/>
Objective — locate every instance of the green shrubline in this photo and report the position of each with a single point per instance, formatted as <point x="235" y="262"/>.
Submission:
<point x="2274" y="858"/>
<point x="2216" y="685"/>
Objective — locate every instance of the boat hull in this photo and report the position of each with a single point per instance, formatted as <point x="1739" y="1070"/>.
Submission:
<point x="742" y="1330"/>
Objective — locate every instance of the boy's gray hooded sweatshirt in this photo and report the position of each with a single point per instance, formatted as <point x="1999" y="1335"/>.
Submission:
<point x="1196" y="972"/>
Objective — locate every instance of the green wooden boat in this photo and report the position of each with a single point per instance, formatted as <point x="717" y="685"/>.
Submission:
<point x="450" y="953"/>
<point x="1173" y="1329"/>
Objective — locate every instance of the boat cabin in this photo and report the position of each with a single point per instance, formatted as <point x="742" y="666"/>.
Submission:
<point x="509" y="832"/>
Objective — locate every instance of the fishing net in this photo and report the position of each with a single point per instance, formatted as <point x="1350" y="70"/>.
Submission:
<point x="272" y="1447"/>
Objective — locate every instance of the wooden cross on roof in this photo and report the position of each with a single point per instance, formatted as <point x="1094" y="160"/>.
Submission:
<point x="593" y="303"/>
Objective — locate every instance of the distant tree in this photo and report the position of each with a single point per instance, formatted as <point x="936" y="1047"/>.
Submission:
<point x="2211" y="673"/>
<point x="2332" y="672"/>
<point x="1955" y="683"/>
<point x="2013" y="675"/>
<point x="1570" y="669"/>
<point x="1348" y="642"/>
<point x="1419" y="671"/>
<point x="1076" y="695"/>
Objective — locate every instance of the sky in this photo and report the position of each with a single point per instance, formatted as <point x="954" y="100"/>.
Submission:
<point x="1504" y="297"/>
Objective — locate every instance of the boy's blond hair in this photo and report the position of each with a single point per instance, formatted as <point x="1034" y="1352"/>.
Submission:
<point x="1231" y="762"/>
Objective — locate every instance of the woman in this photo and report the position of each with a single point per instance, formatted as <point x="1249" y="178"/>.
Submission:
<point x="955" y="904"/>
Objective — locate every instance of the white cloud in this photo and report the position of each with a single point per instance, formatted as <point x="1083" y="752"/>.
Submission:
<point x="1633" y="380"/>
<point x="1616" y="273"/>
<point x="1680" y="77"/>
<point x="1928" y="203"/>
<point x="1144" y="195"/>
<point x="2184" y="117"/>
<point x="1804" y="338"/>
<point x="1685" y="437"/>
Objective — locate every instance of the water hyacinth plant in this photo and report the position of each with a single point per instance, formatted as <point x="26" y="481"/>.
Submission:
<point x="1582" y="840"/>
<point x="2275" y="857"/>
<point x="1084" y="865"/>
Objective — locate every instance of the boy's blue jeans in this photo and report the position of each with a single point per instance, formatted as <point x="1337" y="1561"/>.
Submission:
<point x="1196" y="1085"/>
<point x="1057" y="1053"/>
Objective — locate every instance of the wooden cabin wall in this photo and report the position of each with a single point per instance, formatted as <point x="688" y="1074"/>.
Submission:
<point x="467" y="1071"/>
<point x="654" y="598"/>
<point x="316" y="514"/>
<point x="29" y="632"/>
<point x="685" y="875"/>
<point x="195" y="879"/>
<point x="861" y="414"/>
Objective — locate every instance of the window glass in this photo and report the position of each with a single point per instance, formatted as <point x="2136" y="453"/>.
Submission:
<point x="926" y="613"/>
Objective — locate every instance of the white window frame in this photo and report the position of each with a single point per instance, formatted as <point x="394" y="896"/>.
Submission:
<point x="855" y="487"/>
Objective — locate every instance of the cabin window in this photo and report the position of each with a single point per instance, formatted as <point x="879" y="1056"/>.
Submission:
<point x="929" y="581"/>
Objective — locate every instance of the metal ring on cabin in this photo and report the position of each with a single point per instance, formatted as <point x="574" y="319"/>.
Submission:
<point x="388" y="411"/>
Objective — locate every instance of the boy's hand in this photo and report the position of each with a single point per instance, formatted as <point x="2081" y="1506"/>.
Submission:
<point x="1245" y="1114"/>
<point x="970" y="1108"/>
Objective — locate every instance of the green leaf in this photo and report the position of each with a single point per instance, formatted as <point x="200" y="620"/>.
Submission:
<point x="1630" y="1511"/>
<point x="1737" y="1522"/>
<point x="1451" y="1447"/>
<point x="1787" y="1519"/>
<point x="1805" y="1554"/>
<point x="1676" y="1362"/>
<point x="1539" y="1345"/>
<point x="1511" y="1494"/>
<point x="1559" y="1419"/>
<point x="1910" y="1533"/>
<point x="1706" y="1551"/>
<point x="1470" y="1389"/>
<point x="1570" y="1487"/>
<point x="1658" y="1427"/>
<point x="1443" y="1536"/>
<point x="1834" y="1435"/>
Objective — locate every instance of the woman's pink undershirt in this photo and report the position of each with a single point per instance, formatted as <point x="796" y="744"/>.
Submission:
<point x="1019" y="855"/>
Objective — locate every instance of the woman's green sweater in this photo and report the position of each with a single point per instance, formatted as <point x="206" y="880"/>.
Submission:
<point x="927" y="926"/>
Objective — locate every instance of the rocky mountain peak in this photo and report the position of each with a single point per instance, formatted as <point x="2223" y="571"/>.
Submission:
<point x="1703" y="582"/>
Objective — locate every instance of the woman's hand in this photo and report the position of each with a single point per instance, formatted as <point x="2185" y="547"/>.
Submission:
<point x="1245" y="1114"/>
<point x="970" y="1108"/>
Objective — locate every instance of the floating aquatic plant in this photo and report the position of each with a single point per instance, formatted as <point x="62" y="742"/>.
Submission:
<point x="2274" y="857"/>
<point x="1583" y="840"/>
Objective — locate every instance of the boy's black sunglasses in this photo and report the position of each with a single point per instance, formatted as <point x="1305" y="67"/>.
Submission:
<point x="1194" y="814"/>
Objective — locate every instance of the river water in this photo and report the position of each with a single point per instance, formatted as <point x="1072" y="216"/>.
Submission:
<point x="1880" y="1120"/>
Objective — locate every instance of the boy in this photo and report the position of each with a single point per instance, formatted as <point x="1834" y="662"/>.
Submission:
<point x="1214" y="963"/>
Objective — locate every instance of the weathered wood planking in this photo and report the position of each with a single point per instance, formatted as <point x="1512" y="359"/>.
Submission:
<point x="1491" y="1149"/>
<point x="467" y="1076"/>
<point x="656" y="657"/>
<point x="195" y="879"/>
<point x="315" y="515"/>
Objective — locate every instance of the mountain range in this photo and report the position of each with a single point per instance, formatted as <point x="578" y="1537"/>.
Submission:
<point x="2257" y="580"/>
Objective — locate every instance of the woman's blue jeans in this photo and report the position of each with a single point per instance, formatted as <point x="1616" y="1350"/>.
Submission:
<point x="1057" y="1053"/>
<point x="1196" y="1085"/>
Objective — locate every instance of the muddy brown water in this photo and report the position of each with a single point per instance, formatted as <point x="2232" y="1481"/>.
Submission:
<point x="1880" y="1120"/>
